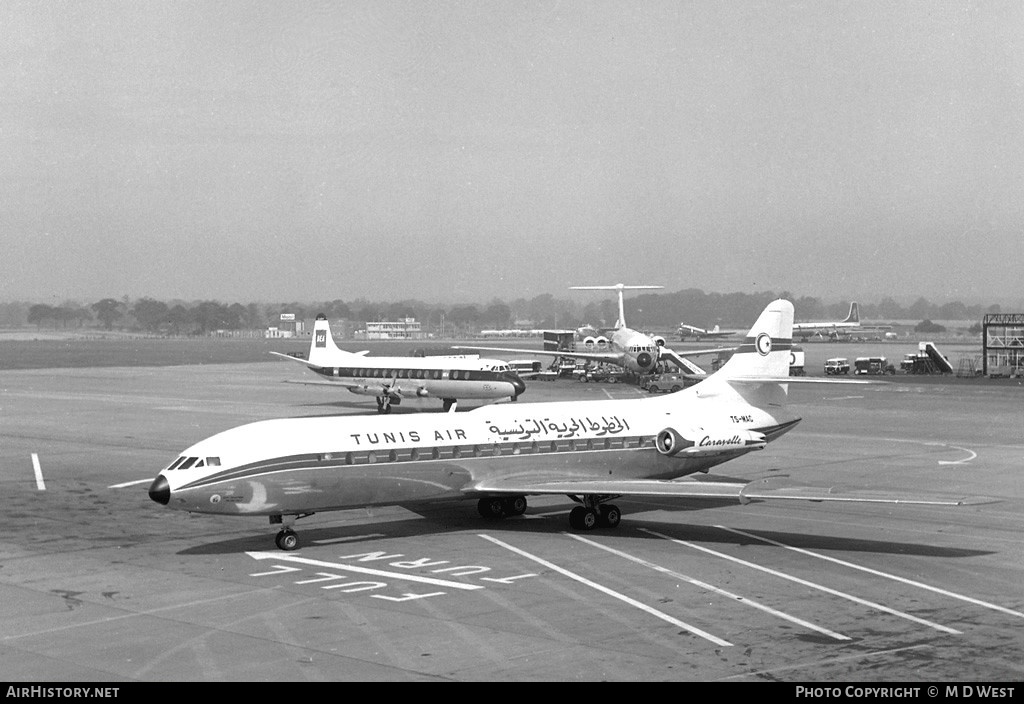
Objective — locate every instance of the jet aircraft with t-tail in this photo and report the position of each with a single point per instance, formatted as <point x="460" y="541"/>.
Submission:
<point x="498" y="455"/>
<point x="634" y="351"/>
<point x="390" y="379"/>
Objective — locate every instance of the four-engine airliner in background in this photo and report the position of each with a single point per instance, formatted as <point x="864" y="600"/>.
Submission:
<point x="630" y="349"/>
<point x="830" y="328"/>
<point x="390" y="379"/>
<point x="714" y="333"/>
<point x="497" y="455"/>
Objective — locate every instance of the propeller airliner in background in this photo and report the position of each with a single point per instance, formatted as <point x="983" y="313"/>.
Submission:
<point x="390" y="379"/>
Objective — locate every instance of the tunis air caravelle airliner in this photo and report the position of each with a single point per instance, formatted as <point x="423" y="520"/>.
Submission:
<point x="497" y="455"/>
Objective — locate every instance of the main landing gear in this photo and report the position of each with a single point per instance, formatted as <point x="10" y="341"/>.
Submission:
<point x="384" y="404"/>
<point x="495" y="507"/>
<point x="287" y="539"/>
<point x="592" y="512"/>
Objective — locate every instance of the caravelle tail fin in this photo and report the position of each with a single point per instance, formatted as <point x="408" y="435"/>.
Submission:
<point x="854" y="316"/>
<point x="764" y="354"/>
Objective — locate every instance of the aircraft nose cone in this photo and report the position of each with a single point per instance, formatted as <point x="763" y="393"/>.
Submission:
<point x="517" y="384"/>
<point x="160" y="490"/>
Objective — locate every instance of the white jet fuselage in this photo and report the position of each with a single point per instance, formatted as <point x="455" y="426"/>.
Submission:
<point x="297" y="466"/>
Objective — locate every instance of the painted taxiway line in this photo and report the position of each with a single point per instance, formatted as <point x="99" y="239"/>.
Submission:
<point x="812" y="585"/>
<point x="879" y="573"/>
<point x="711" y="588"/>
<point x="131" y="483"/>
<point x="364" y="570"/>
<point x="40" y="484"/>
<point x="610" y="592"/>
<point x="965" y="460"/>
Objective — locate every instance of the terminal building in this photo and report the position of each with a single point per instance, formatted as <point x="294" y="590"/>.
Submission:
<point x="1002" y="336"/>
<point x="405" y="329"/>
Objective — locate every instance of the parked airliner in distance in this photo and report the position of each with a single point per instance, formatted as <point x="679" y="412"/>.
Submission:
<point x="390" y="379"/>
<point x="716" y="332"/>
<point x="833" y="329"/>
<point x="497" y="455"/>
<point x="634" y="351"/>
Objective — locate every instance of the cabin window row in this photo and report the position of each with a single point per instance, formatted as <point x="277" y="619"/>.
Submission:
<point x="501" y="449"/>
<point x="359" y="373"/>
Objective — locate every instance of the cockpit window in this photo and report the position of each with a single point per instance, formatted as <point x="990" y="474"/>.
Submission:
<point x="213" y="461"/>
<point x="188" y="463"/>
<point x="175" y="463"/>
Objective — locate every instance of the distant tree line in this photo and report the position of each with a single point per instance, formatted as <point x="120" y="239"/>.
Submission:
<point x="648" y="311"/>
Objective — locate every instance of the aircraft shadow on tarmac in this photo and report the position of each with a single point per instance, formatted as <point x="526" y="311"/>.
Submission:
<point x="552" y="520"/>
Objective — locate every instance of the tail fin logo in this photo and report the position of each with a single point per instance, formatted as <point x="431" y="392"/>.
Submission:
<point x="321" y="338"/>
<point x="763" y="343"/>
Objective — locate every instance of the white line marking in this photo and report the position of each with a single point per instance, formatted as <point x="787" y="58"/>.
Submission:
<point x="622" y="597"/>
<point x="363" y="570"/>
<point x="347" y="539"/>
<point x="963" y="461"/>
<point x="812" y="585"/>
<point x="124" y="484"/>
<point x="712" y="588"/>
<point x="40" y="484"/>
<point x="904" y="580"/>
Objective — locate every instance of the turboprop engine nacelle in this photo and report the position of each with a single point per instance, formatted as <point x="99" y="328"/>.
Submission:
<point x="700" y="441"/>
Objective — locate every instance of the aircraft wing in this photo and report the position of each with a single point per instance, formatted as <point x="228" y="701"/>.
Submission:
<point x="696" y="489"/>
<point x="635" y="487"/>
<point x="606" y="357"/>
<point x="340" y="382"/>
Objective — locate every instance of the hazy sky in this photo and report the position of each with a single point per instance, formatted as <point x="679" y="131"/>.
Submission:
<point x="454" y="151"/>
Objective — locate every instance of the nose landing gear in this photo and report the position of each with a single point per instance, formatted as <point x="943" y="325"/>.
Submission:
<point x="287" y="539"/>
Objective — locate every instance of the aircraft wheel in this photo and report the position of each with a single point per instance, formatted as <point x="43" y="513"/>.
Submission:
<point x="515" y="505"/>
<point x="582" y="518"/>
<point x="287" y="540"/>
<point x="609" y="516"/>
<point x="491" y="508"/>
<point x="386" y="409"/>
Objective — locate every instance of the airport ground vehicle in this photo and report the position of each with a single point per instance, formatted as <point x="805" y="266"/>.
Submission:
<point x="837" y="365"/>
<point x="873" y="365"/>
<point x="662" y="383"/>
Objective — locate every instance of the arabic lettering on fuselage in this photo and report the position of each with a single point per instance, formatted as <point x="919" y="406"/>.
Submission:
<point x="561" y="428"/>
